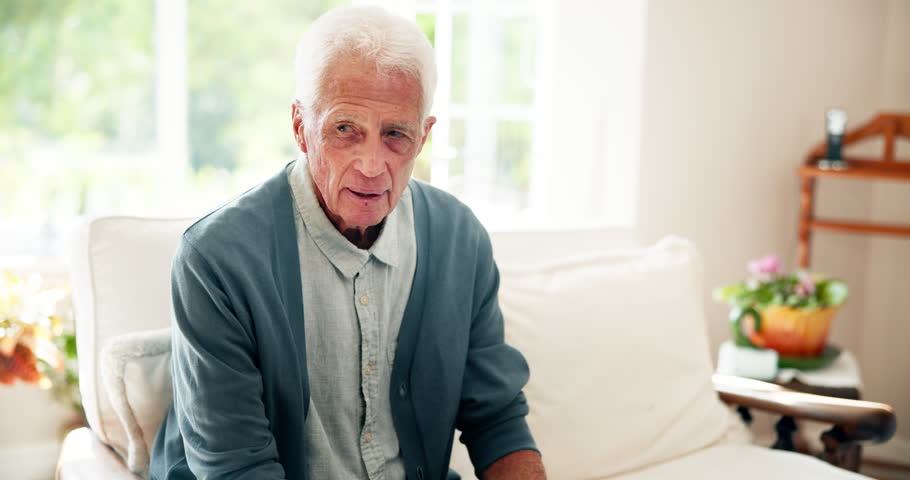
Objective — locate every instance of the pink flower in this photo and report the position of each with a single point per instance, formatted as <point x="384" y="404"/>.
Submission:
<point x="806" y="286"/>
<point x="765" y="267"/>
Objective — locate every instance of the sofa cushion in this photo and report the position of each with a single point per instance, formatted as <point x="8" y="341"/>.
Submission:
<point x="84" y="457"/>
<point x="742" y="462"/>
<point x="619" y="357"/>
<point x="135" y="371"/>
<point x="120" y="270"/>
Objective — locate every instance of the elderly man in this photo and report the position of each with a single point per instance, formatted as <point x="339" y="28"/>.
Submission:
<point x="340" y="320"/>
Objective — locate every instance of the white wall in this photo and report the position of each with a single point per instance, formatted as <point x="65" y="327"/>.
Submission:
<point x="592" y="119"/>
<point x="31" y="427"/>
<point x="886" y="319"/>
<point x="734" y="97"/>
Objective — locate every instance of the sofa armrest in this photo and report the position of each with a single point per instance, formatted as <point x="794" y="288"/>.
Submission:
<point x="84" y="457"/>
<point x="858" y="421"/>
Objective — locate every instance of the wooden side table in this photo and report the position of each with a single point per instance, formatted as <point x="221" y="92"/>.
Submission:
<point x="888" y="125"/>
<point x="841" y="379"/>
<point x="789" y="438"/>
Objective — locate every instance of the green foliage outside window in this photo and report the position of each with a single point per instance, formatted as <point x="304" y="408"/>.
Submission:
<point x="76" y="97"/>
<point x="77" y="101"/>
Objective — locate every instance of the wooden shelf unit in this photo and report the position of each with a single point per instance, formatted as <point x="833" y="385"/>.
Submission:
<point x="888" y="125"/>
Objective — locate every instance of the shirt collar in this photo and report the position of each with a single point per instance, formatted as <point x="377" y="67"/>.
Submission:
<point x="346" y="257"/>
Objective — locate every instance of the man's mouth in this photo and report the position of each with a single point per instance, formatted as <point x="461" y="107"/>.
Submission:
<point x="367" y="194"/>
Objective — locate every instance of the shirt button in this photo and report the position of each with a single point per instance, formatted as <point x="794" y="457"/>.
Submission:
<point x="402" y="390"/>
<point x="368" y="369"/>
<point x="364" y="300"/>
<point x="367" y="437"/>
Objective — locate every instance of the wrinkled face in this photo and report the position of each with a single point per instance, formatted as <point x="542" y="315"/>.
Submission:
<point x="362" y="142"/>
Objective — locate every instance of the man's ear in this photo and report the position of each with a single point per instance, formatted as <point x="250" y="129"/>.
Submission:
<point x="297" y="122"/>
<point x="427" y="126"/>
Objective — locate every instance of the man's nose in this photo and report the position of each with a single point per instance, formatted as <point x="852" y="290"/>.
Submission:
<point x="369" y="162"/>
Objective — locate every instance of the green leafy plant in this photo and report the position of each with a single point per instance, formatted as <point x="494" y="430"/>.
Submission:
<point x="767" y="285"/>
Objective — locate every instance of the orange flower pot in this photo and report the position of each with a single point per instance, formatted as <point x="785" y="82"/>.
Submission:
<point x="792" y="332"/>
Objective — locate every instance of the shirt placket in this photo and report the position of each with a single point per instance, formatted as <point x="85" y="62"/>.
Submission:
<point x="364" y="304"/>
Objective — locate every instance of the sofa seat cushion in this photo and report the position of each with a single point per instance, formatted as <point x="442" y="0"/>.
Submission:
<point x="741" y="462"/>
<point x="84" y="457"/>
<point x="619" y="358"/>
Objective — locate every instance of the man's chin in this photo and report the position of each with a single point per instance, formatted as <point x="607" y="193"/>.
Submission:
<point x="362" y="222"/>
<point x="364" y="217"/>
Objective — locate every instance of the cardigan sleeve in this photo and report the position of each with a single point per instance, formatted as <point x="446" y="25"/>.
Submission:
<point x="217" y="384"/>
<point x="492" y="410"/>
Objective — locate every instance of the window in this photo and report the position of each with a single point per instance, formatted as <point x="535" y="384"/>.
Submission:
<point x="482" y="143"/>
<point x="76" y="114"/>
<point x="171" y="107"/>
<point x="537" y="107"/>
<point x="151" y="107"/>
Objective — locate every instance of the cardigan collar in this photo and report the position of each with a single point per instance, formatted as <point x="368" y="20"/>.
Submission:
<point x="346" y="257"/>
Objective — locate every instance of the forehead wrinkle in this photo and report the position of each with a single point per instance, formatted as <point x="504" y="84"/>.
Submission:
<point x="346" y="113"/>
<point x="360" y="78"/>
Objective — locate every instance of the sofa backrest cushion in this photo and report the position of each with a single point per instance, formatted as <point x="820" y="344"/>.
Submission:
<point x="120" y="268"/>
<point x="619" y="356"/>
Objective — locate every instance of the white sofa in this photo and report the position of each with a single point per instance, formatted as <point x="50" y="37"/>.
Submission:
<point x="621" y="377"/>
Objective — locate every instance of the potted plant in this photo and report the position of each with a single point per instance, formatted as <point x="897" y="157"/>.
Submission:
<point x="34" y="348"/>
<point x="787" y="312"/>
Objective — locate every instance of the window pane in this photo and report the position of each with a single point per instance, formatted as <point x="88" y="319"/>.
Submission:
<point x="517" y="48"/>
<point x="77" y="112"/>
<point x="513" y="163"/>
<point x="460" y="46"/>
<point x="456" y="164"/>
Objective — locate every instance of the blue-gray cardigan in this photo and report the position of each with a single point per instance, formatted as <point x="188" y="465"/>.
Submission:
<point x="239" y="353"/>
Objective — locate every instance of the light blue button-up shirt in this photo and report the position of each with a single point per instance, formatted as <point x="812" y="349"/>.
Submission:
<point x="354" y="301"/>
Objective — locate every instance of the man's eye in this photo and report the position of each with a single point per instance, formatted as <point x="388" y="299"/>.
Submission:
<point x="344" y="128"/>
<point x="396" y="134"/>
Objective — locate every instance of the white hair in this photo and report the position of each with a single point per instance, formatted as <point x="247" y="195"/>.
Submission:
<point x="370" y="33"/>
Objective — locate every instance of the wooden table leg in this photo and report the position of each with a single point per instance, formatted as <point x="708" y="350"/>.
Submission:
<point x="835" y="450"/>
<point x="840" y="453"/>
<point x="807" y="192"/>
<point x="785" y="428"/>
